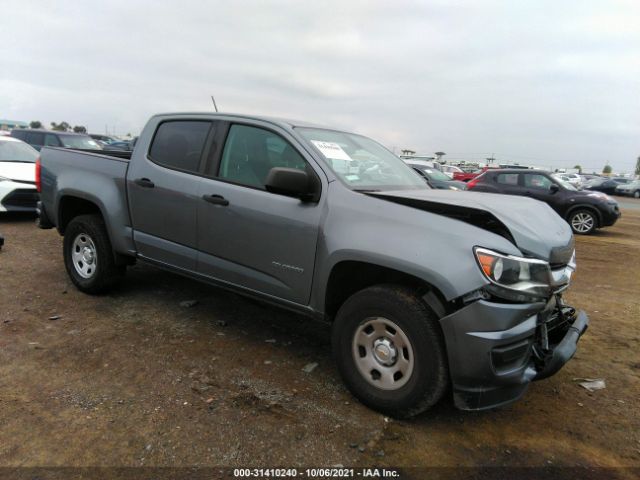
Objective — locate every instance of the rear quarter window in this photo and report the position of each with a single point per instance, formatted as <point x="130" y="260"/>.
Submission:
<point x="178" y="144"/>
<point x="21" y="134"/>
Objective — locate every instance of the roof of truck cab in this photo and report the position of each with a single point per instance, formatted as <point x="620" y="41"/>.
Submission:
<point x="285" y="122"/>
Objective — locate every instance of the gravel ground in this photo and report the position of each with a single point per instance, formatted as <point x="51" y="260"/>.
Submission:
<point x="140" y="378"/>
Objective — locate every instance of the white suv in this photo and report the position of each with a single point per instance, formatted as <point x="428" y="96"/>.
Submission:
<point x="17" y="176"/>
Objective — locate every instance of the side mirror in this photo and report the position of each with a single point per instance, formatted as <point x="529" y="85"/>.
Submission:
<point x="554" y="188"/>
<point x="292" y="183"/>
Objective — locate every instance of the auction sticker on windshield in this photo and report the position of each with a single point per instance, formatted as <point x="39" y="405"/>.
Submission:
<point x="331" y="150"/>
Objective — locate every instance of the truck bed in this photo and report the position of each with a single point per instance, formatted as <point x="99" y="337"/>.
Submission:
<point x="98" y="177"/>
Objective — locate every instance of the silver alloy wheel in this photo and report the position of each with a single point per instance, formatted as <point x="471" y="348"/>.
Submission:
<point x="383" y="353"/>
<point x="636" y="194"/>
<point x="582" y="222"/>
<point x="84" y="255"/>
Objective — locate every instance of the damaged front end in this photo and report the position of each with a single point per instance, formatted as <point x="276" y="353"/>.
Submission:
<point x="496" y="345"/>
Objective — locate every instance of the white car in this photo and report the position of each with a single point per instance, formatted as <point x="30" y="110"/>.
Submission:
<point x="449" y="170"/>
<point x="572" y="178"/>
<point x="17" y="176"/>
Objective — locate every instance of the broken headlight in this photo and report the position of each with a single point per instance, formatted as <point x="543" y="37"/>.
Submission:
<point x="512" y="277"/>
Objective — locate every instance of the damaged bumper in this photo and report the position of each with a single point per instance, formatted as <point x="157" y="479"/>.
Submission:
<point x="496" y="349"/>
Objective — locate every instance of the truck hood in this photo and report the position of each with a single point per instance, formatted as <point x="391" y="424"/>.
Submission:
<point x="24" y="172"/>
<point x="531" y="225"/>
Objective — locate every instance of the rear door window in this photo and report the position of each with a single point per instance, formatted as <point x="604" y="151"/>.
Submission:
<point x="35" y="138"/>
<point x="178" y="144"/>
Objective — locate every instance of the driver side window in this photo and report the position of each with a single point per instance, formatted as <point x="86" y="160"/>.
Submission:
<point x="250" y="153"/>
<point x="537" y="181"/>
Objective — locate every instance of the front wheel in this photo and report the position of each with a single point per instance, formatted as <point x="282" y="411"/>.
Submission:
<point x="583" y="222"/>
<point x="390" y="351"/>
<point x="88" y="256"/>
<point x="636" y="194"/>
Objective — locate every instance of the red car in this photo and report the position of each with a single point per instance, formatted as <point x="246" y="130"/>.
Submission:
<point x="466" y="176"/>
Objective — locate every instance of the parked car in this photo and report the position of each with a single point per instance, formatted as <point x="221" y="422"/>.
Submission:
<point x="425" y="289"/>
<point x="450" y="170"/>
<point x="572" y="178"/>
<point x="17" y="176"/>
<point x="104" y="139"/>
<point x="466" y="176"/>
<point x="602" y="184"/>
<point x="123" y="146"/>
<point x="436" y="178"/>
<point x="631" y="189"/>
<point x="584" y="210"/>
<point x="622" y="180"/>
<point x="52" y="138"/>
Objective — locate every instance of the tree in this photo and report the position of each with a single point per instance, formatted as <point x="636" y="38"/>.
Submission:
<point x="638" y="166"/>
<point x="35" y="124"/>
<point x="60" y="127"/>
<point x="80" y="129"/>
<point x="408" y="152"/>
<point x="607" y="169"/>
<point x="578" y="167"/>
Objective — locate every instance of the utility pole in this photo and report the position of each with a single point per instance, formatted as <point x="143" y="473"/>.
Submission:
<point x="214" y="103"/>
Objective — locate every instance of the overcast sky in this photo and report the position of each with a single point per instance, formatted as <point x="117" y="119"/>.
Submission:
<point x="545" y="82"/>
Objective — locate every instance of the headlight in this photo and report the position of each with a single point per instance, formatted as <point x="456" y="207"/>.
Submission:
<point x="514" y="277"/>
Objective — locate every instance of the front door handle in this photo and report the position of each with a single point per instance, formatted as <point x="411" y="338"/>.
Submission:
<point x="144" y="182"/>
<point x="216" y="200"/>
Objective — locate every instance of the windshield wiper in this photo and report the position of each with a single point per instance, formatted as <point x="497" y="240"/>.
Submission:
<point x="366" y="190"/>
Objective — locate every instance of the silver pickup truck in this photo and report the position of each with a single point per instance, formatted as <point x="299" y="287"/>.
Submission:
<point x="428" y="291"/>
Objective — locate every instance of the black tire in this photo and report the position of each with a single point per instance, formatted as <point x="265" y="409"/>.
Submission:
<point x="583" y="221"/>
<point x="106" y="272"/>
<point x="429" y="378"/>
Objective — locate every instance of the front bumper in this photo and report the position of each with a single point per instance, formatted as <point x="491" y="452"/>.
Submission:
<point x="496" y="349"/>
<point x="610" y="214"/>
<point x="20" y="200"/>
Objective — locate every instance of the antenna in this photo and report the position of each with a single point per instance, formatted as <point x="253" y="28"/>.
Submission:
<point x="214" y="103"/>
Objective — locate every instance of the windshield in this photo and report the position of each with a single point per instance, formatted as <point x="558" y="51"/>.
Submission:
<point x="565" y="184"/>
<point x="17" y="152"/>
<point x="79" y="141"/>
<point x="361" y="163"/>
<point x="433" y="174"/>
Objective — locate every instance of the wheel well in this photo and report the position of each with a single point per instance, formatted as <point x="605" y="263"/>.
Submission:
<point x="71" y="207"/>
<point x="349" y="277"/>
<point x="585" y="207"/>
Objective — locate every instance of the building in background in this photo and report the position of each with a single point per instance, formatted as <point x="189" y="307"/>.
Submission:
<point x="11" y="124"/>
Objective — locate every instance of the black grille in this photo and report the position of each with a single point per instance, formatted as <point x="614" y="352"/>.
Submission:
<point x="21" y="198"/>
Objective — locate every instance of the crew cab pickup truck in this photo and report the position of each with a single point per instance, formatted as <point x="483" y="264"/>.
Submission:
<point x="428" y="291"/>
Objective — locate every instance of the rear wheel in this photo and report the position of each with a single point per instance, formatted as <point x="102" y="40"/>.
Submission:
<point x="390" y="351"/>
<point x="583" y="222"/>
<point x="88" y="256"/>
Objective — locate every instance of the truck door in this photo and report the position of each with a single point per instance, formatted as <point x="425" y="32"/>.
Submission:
<point x="248" y="236"/>
<point x="162" y="185"/>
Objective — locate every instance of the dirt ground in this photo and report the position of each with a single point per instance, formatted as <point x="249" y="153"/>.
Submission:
<point x="135" y="379"/>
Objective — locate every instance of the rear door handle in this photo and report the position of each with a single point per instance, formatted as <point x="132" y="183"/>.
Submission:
<point x="144" y="182"/>
<point x="216" y="200"/>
